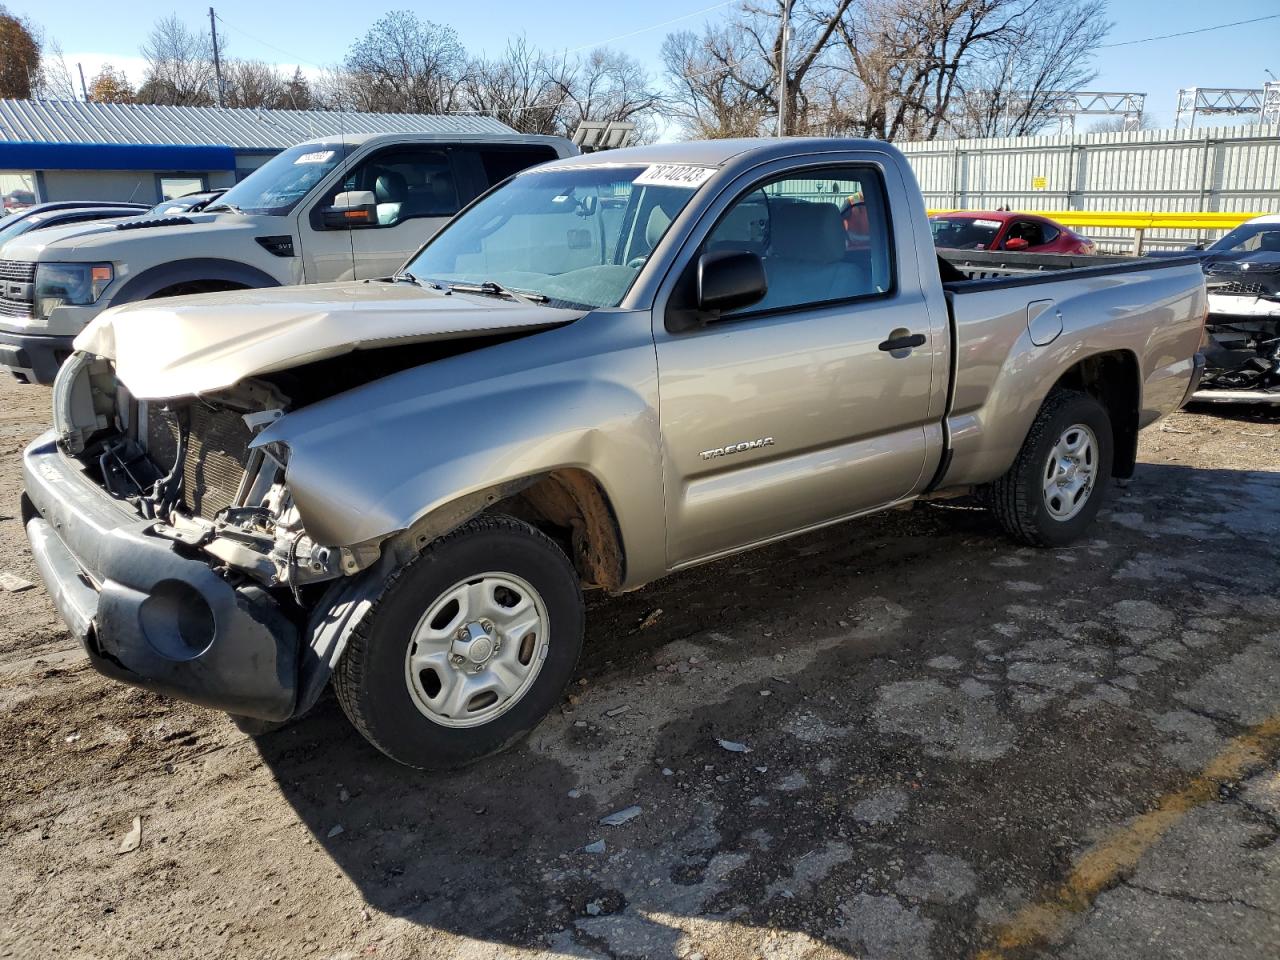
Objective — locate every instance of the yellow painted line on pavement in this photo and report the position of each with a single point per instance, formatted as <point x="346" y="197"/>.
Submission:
<point x="1111" y="858"/>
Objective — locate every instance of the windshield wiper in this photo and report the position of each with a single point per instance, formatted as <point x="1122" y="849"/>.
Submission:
<point x="492" y="288"/>
<point x="213" y="208"/>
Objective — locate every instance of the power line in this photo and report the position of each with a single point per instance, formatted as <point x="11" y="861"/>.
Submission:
<point x="1187" y="33"/>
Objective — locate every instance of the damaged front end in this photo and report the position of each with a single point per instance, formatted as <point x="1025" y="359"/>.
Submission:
<point x="1242" y="360"/>
<point x="191" y="465"/>
<point x="1242" y="332"/>
<point x="169" y="542"/>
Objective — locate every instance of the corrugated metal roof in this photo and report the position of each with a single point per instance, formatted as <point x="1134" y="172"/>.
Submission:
<point x="73" y="121"/>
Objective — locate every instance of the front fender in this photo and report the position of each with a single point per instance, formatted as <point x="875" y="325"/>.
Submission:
<point x="150" y="282"/>
<point x="376" y="460"/>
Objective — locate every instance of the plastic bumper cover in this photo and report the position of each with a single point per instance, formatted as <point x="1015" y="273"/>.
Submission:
<point x="33" y="358"/>
<point x="145" y="613"/>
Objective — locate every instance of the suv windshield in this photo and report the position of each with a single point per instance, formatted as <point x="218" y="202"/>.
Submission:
<point x="278" y="185"/>
<point x="575" y="236"/>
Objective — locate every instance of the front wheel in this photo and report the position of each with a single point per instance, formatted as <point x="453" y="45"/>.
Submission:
<point x="467" y="648"/>
<point x="1054" y="488"/>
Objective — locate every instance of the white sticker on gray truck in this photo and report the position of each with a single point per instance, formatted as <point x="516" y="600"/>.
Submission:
<point x="674" y="175"/>
<point x="320" y="156"/>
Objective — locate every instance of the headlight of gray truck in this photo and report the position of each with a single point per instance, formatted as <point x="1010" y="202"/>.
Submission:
<point x="71" y="284"/>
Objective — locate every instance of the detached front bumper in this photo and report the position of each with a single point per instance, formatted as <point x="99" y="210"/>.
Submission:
<point x="33" y="358"/>
<point x="146" y="613"/>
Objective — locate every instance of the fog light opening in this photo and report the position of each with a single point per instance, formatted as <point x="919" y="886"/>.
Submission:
<point x="177" y="621"/>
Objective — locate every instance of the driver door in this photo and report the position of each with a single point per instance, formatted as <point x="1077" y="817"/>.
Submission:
<point x="791" y="413"/>
<point x="415" y="193"/>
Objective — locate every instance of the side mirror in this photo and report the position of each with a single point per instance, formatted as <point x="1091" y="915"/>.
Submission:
<point x="729" y="280"/>
<point x="354" y="208"/>
<point x="1196" y="246"/>
<point x="1016" y="243"/>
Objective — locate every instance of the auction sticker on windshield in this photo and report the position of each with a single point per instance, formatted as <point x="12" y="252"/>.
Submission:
<point x="674" y="175"/>
<point x="986" y="223"/>
<point x="320" y="156"/>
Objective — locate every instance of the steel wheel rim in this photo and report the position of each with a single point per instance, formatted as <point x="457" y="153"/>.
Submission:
<point x="1070" y="472"/>
<point x="477" y="650"/>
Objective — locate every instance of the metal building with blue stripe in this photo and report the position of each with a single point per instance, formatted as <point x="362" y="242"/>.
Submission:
<point x="72" y="150"/>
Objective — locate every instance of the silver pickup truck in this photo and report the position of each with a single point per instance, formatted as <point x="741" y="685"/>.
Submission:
<point x="607" y="369"/>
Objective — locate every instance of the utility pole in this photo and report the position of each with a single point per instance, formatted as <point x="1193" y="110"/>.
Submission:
<point x="217" y="61"/>
<point x="83" y="92"/>
<point x="782" y="68"/>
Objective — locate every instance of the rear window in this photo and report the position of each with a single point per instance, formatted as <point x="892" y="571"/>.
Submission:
<point x="501" y="162"/>
<point x="964" y="233"/>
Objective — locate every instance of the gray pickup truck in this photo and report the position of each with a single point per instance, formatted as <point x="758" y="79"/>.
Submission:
<point x="606" y="369"/>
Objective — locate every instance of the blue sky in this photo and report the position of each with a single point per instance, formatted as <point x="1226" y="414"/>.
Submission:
<point x="319" y="31"/>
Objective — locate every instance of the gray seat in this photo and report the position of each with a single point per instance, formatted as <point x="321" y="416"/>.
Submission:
<point x="390" y="190"/>
<point x="806" y="261"/>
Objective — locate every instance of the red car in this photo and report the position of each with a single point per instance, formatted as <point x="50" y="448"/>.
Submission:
<point x="1002" y="230"/>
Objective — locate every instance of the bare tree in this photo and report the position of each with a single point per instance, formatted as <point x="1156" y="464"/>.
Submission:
<point x="891" y="69"/>
<point x="524" y="88"/>
<point x="609" y="85"/>
<point x="252" y="83"/>
<point x="1044" y="48"/>
<point x="406" y="65"/>
<point x="535" y="92"/>
<point x="707" y="100"/>
<point x="54" y="80"/>
<point x="179" y="66"/>
<point x="736" y="65"/>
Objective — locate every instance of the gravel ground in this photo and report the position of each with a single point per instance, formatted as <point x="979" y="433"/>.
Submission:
<point x="955" y="747"/>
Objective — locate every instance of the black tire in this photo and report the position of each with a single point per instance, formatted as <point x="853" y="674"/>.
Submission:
<point x="1017" y="498"/>
<point x="370" y="679"/>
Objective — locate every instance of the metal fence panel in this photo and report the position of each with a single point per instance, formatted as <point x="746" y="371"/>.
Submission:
<point x="1206" y="169"/>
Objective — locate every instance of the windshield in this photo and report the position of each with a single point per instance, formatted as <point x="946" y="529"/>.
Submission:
<point x="278" y="185"/>
<point x="575" y="236"/>
<point x="964" y="233"/>
<point x="1249" y="237"/>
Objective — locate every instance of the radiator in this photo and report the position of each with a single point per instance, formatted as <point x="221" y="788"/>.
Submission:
<point x="217" y="450"/>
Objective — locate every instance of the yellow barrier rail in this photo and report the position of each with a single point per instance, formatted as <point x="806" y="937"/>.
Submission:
<point x="1139" y="221"/>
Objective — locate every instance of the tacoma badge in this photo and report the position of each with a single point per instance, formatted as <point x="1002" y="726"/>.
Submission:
<point x="730" y="448"/>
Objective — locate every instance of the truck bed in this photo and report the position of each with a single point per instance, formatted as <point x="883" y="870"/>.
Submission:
<point x="1015" y="317"/>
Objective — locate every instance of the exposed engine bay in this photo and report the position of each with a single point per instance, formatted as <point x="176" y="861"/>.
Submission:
<point x="188" y="465"/>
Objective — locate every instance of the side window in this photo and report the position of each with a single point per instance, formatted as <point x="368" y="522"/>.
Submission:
<point x="822" y="237"/>
<point x="405" y="184"/>
<point x="1027" y="230"/>
<point x="500" y="163"/>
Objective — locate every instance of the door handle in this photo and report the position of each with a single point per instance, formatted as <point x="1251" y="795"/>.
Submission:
<point x="904" y="343"/>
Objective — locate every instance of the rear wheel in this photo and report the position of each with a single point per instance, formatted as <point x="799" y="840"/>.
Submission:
<point x="468" y="647"/>
<point x="1054" y="488"/>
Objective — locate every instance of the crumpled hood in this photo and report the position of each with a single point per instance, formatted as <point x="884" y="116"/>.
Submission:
<point x="191" y="345"/>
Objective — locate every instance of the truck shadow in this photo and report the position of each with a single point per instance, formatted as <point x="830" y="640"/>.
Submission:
<point x="841" y="798"/>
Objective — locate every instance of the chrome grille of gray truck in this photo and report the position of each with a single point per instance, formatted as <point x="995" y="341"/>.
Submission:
<point x="19" y="270"/>
<point x="16" y="277"/>
<point x="217" y="450"/>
